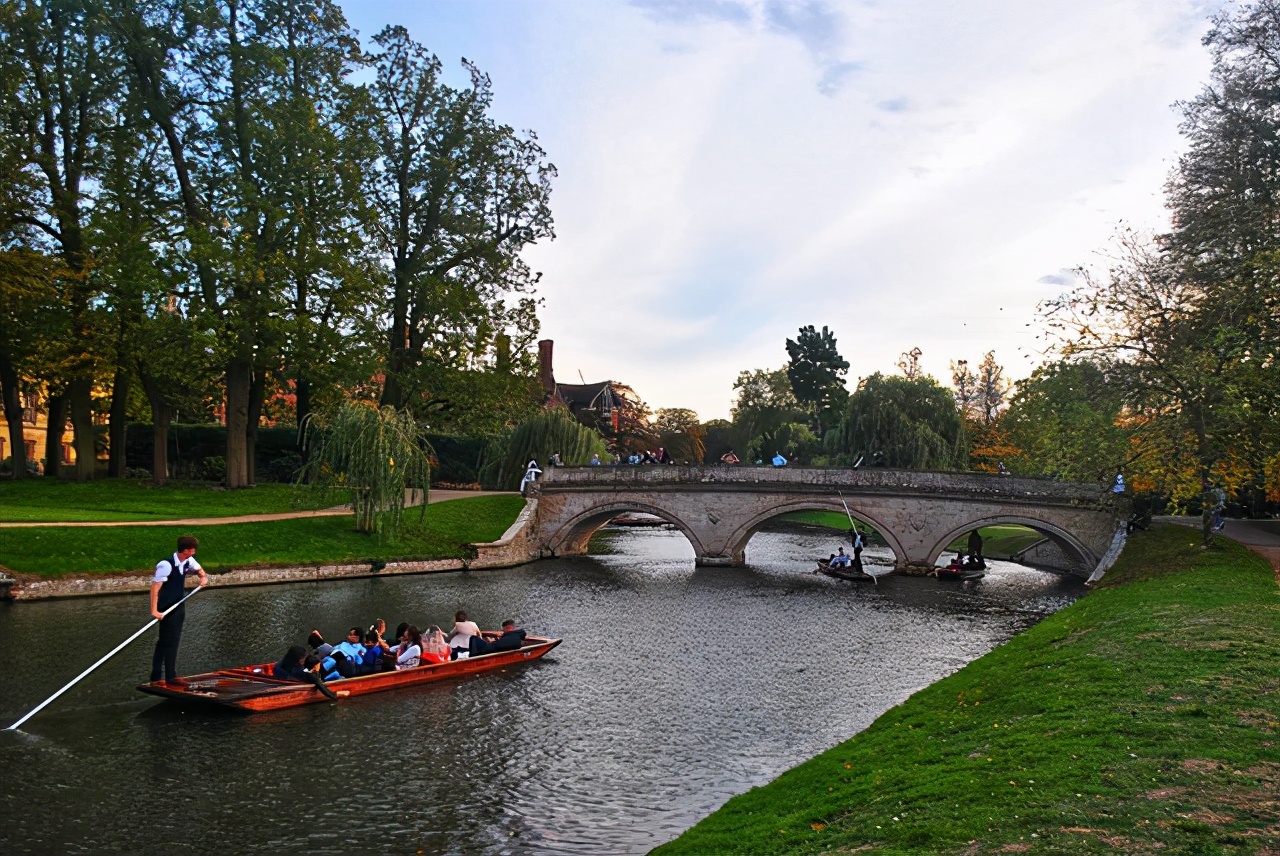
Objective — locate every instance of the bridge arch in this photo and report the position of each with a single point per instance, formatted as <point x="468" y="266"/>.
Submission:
<point x="1069" y="544"/>
<point x="740" y="536"/>
<point x="572" y="536"/>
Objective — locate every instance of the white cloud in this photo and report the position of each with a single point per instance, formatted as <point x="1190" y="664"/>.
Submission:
<point x="909" y="174"/>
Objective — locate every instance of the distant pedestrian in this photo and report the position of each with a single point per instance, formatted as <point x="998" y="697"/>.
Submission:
<point x="729" y="458"/>
<point x="168" y="587"/>
<point x="778" y="460"/>
<point x="1118" y="487"/>
<point x="531" y="474"/>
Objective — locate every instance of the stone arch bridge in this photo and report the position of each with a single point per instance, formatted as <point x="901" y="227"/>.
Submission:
<point x="719" y="508"/>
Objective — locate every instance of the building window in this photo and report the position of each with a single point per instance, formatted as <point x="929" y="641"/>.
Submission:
<point x="2" y="449"/>
<point x="29" y="409"/>
<point x="66" y="453"/>
<point x="31" y="449"/>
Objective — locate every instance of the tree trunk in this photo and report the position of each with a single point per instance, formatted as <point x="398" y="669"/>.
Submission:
<point x="13" y="415"/>
<point x="116" y="462"/>
<point x="302" y="388"/>
<point x="161" y="416"/>
<point x="79" y="396"/>
<point x="239" y="379"/>
<point x="57" y="410"/>
<point x="257" y="389"/>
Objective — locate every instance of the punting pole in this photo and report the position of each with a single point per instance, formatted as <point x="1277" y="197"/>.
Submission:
<point x="114" y="651"/>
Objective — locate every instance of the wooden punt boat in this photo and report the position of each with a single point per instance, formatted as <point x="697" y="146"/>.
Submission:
<point x="852" y="573"/>
<point x="251" y="688"/>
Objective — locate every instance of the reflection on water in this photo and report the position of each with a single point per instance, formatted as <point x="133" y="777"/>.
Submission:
<point x="675" y="688"/>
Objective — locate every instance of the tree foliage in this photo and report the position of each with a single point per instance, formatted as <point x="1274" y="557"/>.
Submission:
<point x="767" y="418"/>
<point x="1065" y="421"/>
<point x="553" y="431"/>
<point x="326" y="220"/>
<point x="376" y="453"/>
<point x="912" y="423"/>
<point x="816" y="371"/>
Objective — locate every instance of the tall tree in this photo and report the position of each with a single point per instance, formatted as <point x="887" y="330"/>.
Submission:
<point x="991" y="389"/>
<point x="816" y="371"/>
<point x="458" y="196"/>
<point x="681" y="434"/>
<point x="766" y="415"/>
<point x="220" y="83"/>
<point x="905" y="422"/>
<point x="67" y="92"/>
<point x="1065" y="421"/>
<point x="1225" y="200"/>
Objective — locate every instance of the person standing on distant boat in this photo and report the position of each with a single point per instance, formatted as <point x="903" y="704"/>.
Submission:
<point x="858" y="543"/>
<point x="168" y="587"/>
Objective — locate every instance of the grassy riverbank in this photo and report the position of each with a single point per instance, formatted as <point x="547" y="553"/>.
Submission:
<point x="39" y="500"/>
<point x="997" y="541"/>
<point x="1144" y="718"/>
<point x="444" y="531"/>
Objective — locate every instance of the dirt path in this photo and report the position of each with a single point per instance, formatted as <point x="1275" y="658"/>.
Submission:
<point x="432" y="498"/>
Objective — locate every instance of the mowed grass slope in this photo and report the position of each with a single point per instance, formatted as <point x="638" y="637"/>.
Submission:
<point x="1145" y="718"/>
<point x="445" y="530"/>
<point x="38" y="500"/>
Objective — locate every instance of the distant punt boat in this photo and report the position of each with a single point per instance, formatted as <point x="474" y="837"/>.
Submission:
<point x="849" y="572"/>
<point x="252" y="688"/>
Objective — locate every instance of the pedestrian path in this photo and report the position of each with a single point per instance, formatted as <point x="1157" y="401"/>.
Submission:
<point x="433" y="497"/>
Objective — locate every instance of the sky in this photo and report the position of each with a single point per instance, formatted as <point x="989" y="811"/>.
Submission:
<point x="909" y="173"/>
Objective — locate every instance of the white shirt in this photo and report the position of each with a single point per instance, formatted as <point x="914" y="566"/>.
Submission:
<point x="189" y="566"/>
<point x="463" y="631"/>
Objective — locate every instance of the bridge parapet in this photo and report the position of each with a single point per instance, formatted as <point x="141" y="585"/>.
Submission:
<point x="827" y="480"/>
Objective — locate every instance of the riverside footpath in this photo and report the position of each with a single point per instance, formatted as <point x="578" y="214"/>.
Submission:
<point x="18" y="586"/>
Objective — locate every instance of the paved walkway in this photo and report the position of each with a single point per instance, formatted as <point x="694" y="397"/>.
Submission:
<point x="432" y="498"/>
<point x="1260" y="536"/>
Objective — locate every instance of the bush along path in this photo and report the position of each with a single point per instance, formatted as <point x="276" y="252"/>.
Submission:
<point x="1144" y="718"/>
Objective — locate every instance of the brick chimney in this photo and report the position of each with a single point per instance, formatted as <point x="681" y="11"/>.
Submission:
<point x="546" y="375"/>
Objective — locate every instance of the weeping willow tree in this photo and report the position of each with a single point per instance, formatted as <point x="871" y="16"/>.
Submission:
<point x="912" y="423"/>
<point x="376" y="453"/>
<point x="553" y="431"/>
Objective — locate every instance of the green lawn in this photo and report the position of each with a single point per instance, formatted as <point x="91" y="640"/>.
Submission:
<point x="445" y="531"/>
<point x="997" y="541"/>
<point x="38" y="500"/>
<point x="1145" y="718"/>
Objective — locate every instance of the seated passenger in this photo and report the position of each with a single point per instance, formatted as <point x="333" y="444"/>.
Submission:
<point x="435" y="649"/>
<point x="380" y="627"/>
<point x="291" y="668"/>
<point x="840" y="559"/>
<point x="510" y="640"/>
<point x="345" y="657"/>
<point x="319" y="647"/>
<point x="371" y="660"/>
<point x="460" y="637"/>
<point x="409" y="651"/>
<point x="957" y="564"/>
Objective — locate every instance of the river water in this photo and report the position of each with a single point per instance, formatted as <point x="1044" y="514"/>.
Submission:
<point x="675" y="688"/>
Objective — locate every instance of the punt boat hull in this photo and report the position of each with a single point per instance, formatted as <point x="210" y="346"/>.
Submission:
<point x="252" y="688"/>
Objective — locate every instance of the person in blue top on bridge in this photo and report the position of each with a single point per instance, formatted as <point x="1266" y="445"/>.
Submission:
<point x="168" y="588"/>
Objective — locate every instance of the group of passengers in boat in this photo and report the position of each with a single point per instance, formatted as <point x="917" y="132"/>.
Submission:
<point x="367" y="651"/>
